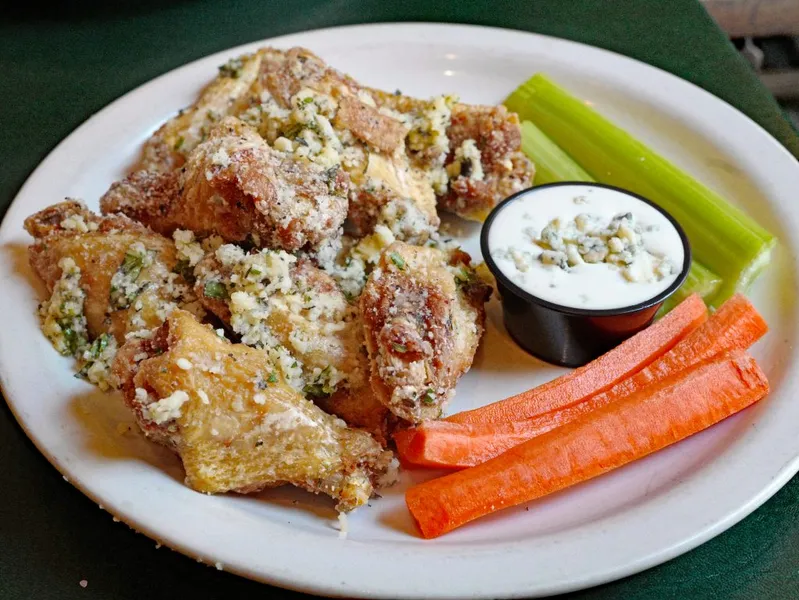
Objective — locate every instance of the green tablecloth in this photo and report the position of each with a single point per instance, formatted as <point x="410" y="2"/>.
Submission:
<point x="58" y="69"/>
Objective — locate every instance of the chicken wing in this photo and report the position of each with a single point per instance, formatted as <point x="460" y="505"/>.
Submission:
<point x="108" y="277"/>
<point x="228" y="411"/>
<point x="305" y="107"/>
<point x="485" y="163"/>
<point x="423" y="313"/>
<point x="303" y="320"/>
<point x="234" y="185"/>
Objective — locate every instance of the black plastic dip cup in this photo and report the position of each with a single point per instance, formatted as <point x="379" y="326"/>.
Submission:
<point x="564" y="335"/>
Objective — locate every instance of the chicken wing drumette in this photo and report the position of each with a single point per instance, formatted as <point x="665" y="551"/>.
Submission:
<point x="235" y="185"/>
<point x="423" y="312"/>
<point x="237" y="425"/>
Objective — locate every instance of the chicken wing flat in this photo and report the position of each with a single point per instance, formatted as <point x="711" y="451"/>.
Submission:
<point x="234" y="185"/>
<point x="303" y="320"/>
<point x="228" y="411"/>
<point x="423" y="313"/>
<point x="108" y="277"/>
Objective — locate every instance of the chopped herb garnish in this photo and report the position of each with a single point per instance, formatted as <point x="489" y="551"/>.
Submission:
<point x="125" y="286"/>
<point x="307" y="100"/>
<point x="293" y="131"/>
<point x="215" y="290"/>
<point x="98" y="346"/>
<point x="315" y="390"/>
<point x="463" y="277"/>
<point x="132" y="265"/>
<point x="398" y="92"/>
<point x="185" y="270"/>
<point x="71" y="339"/>
<point x="429" y="397"/>
<point x="320" y="388"/>
<point x="272" y="377"/>
<point x="401" y="348"/>
<point x="232" y="68"/>
<point x="95" y="350"/>
<point x="398" y="261"/>
<point x="179" y="143"/>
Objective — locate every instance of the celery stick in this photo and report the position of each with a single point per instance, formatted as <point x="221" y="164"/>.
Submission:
<point x="700" y="281"/>
<point x="722" y="236"/>
<point x="551" y="163"/>
<point x="556" y="165"/>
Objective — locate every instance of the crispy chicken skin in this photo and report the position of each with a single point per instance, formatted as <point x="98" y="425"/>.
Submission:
<point x="233" y="184"/>
<point x="310" y="317"/>
<point x="423" y="312"/>
<point x="227" y="411"/>
<point x="147" y="197"/>
<point x="496" y="135"/>
<point x="100" y="247"/>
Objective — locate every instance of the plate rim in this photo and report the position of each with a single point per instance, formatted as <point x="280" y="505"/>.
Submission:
<point x="292" y="582"/>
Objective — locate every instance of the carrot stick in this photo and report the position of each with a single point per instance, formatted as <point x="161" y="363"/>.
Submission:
<point x="600" y="441"/>
<point x="627" y="358"/>
<point x="444" y="445"/>
<point x="735" y="326"/>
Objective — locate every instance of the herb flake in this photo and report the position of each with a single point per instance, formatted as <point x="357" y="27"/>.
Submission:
<point x="398" y="261"/>
<point x="215" y="290"/>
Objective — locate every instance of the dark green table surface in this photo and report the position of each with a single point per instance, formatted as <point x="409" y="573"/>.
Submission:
<point x="58" y="66"/>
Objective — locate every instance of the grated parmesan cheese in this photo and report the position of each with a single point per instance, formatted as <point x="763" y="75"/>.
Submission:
<point x="165" y="409"/>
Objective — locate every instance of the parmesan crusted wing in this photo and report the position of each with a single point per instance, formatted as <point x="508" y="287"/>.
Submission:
<point x="485" y="163"/>
<point x="124" y="272"/>
<point x="298" y="315"/>
<point x="233" y="184"/>
<point x="423" y="313"/>
<point x="481" y="151"/>
<point x="303" y="106"/>
<point x="237" y="425"/>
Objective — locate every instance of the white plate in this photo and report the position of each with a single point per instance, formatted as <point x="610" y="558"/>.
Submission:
<point x="624" y="522"/>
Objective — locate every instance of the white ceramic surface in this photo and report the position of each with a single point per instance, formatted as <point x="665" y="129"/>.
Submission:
<point x="624" y="522"/>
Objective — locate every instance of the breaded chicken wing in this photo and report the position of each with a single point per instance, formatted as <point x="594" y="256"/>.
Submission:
<point x="234" y="185"/>
<point x="423" y="313"/>
<point x="485" y="163"/>
<point x="237" y="425"/>
<point x="108" y="278"/>
<point x="480" y="149"/>
<point x="303" y="106"/>
<point x="126" y="276"/>
<point x="303" y="320"/>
